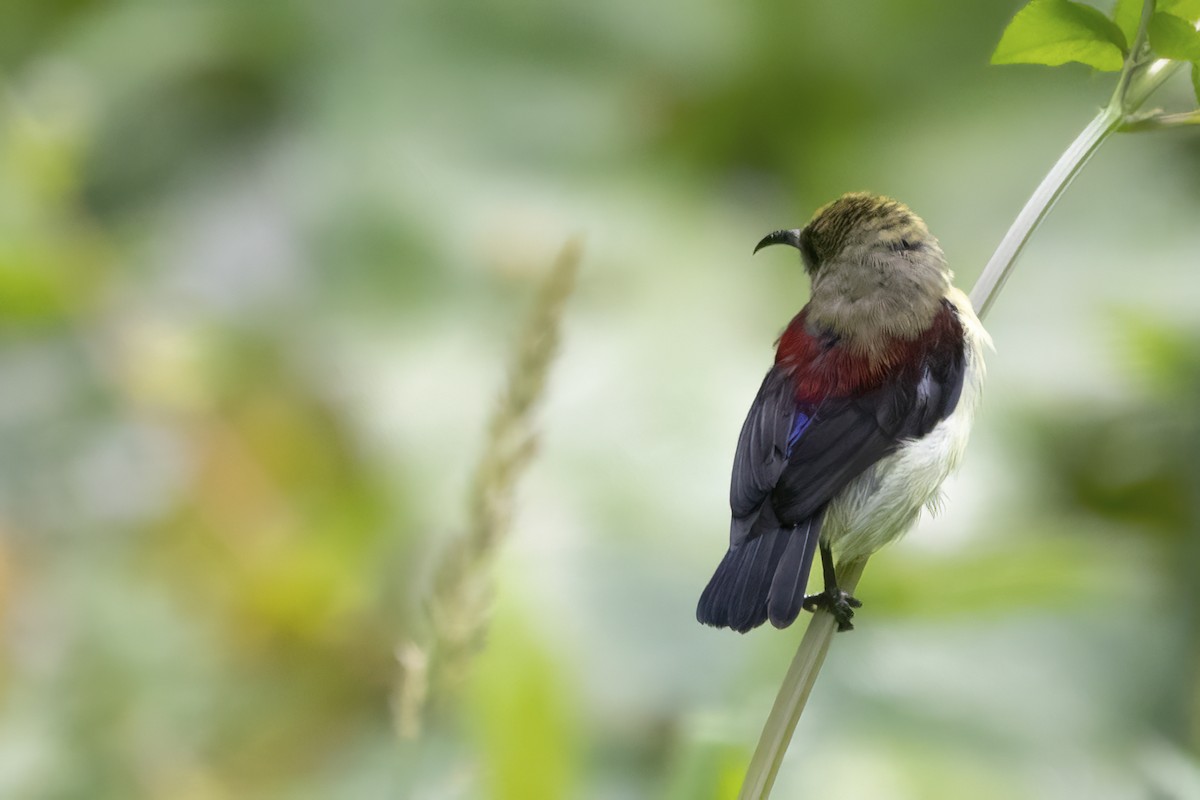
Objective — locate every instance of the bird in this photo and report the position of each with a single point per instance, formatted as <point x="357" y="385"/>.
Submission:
<point x="864" y="413"/>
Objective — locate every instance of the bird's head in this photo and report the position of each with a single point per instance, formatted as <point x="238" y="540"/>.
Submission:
<point x="876" y="269"/>
<point x="858" y="226"/>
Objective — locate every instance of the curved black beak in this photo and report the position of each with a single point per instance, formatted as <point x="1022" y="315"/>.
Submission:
<point x="791" y="237"/>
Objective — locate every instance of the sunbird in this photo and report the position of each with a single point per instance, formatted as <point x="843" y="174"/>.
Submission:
<point x="865" y="412"/>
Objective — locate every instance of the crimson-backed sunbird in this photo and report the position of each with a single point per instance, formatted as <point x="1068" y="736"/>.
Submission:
<point x="865" y="412"/>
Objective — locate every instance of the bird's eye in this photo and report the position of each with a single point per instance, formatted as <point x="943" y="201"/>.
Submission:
<point x="904" y="245"/>
<point x="808" y="249"/>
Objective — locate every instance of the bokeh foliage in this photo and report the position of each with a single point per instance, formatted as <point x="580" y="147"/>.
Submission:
<point x="261" y="267"/>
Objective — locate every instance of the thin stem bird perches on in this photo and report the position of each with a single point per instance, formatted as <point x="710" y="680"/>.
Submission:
<point x="1139" y="78"/>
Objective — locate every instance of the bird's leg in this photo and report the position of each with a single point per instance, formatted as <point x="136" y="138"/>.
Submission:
<point x="833" y="599"/>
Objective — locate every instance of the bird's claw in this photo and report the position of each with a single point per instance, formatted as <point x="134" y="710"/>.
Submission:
<point x="838" y="603"/>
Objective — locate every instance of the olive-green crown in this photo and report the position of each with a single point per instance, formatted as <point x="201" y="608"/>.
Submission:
<point x="861" y="218"/>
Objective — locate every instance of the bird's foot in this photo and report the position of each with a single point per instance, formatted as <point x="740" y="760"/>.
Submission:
<point x="838" y="603"/>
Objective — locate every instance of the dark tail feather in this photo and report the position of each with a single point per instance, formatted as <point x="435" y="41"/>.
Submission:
<point x="763" y="576"/>
<point x="736" y="597"/>
<point x="791" y="576"/>
<point x="713" y="608"/>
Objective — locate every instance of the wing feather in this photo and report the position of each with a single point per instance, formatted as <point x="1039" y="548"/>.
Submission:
<point x="763" y="444"/>
<point x="799" y="457"/>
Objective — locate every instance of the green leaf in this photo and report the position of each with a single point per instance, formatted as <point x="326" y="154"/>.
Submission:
<point x="1054" y="32"/>
<point x="1172" y="37"/>
<point x="523" y="718"/>
<point x="1185" y="9"/>
<point x="1128" y="15"/>
<point x="1196" y="80"/>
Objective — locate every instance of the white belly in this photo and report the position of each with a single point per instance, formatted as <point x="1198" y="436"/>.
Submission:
<point x="884" y="502"/>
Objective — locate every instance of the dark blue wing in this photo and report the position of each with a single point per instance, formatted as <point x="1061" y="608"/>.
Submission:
<point x="764" y="573"/>
<point x="773" y="425"/>
<point x="845" y="437"/>
<point x="801" y="456"/>
<point x="793" y="458"/>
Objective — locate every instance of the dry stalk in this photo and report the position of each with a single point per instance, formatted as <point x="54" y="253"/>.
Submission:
<point x="459" y="601"/>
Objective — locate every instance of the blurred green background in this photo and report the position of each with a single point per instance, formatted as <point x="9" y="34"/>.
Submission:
<point x="261" y="268"/>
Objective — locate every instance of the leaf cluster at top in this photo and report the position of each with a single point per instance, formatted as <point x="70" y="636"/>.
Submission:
<point x="1054" y="32"/>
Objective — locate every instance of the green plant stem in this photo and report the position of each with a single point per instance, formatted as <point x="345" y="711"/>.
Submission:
<point x="1158" y="122"/>
<point x="793" y="693"/>
<point x="999" y="267"/>
<point x="1139" y="79"/>
<point x="1130" y="96"/>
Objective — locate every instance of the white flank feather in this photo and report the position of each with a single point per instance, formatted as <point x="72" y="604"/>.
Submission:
<point x="885" y="501"/>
